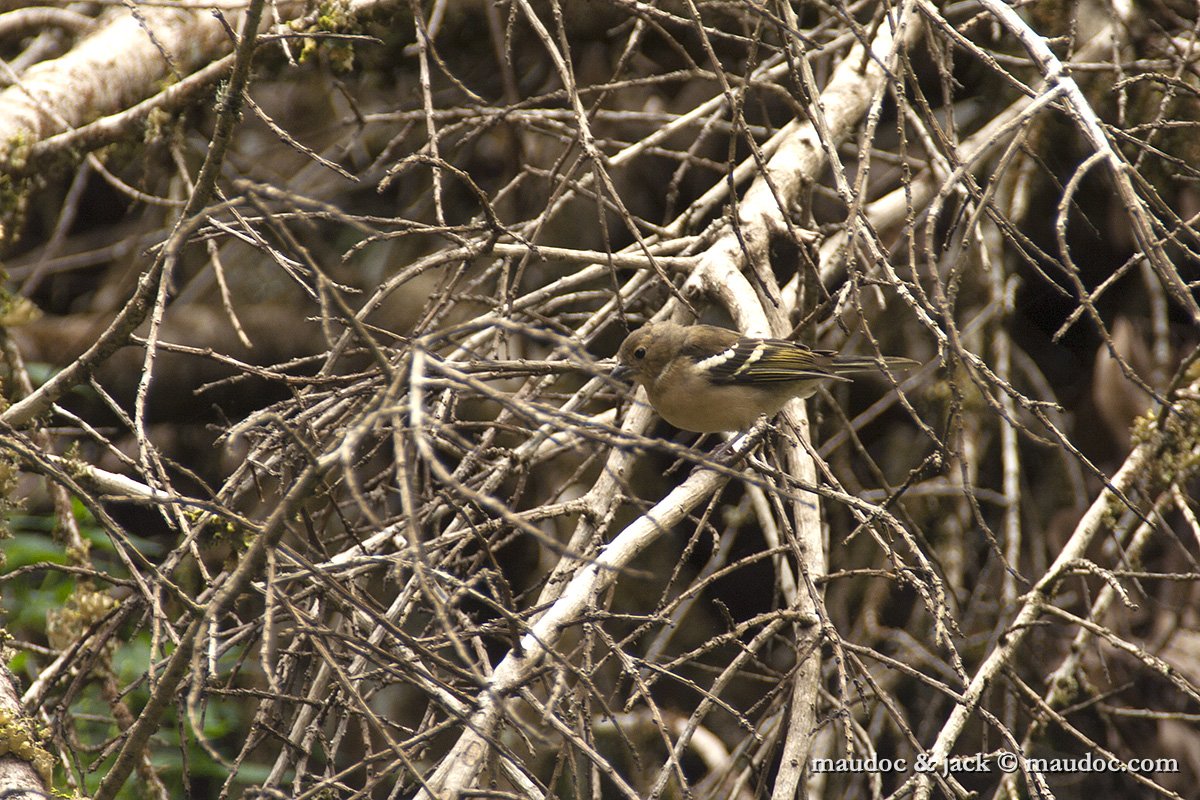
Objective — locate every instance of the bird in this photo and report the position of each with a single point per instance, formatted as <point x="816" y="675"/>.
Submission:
<point x="706" y="379"/>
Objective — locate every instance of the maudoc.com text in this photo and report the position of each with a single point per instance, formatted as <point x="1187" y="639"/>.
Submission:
<point x="998" y="762"/>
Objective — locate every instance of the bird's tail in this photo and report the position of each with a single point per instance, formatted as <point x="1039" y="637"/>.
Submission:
<point x="844" y="364"/>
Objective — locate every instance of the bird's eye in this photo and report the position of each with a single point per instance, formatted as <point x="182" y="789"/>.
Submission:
<point x="640" y="353"/>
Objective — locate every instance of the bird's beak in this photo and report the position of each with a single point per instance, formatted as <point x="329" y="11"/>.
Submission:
<point x="621" y="372"/>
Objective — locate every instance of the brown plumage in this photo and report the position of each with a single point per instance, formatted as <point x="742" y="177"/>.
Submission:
<point x="704" y="378"/>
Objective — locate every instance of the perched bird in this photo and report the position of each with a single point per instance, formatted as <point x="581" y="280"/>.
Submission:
<point x="703" y="378"/>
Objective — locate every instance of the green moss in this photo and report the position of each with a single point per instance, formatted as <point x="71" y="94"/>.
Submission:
<point x="80" y="554"/>
<point x="19" y="738"/>
<point x="14" y="202"/>
<point x="16" y="310"/>
<point x="9" y="472"/>
<point x="82" y="610"/>
<point x="158" y="126"/>
<point x="1173" y="437"/>
<point x="333" y="16"/>
<point x="15" y="152"/>
<point x="73" y="463"/>
<point x="1113" y="508"/>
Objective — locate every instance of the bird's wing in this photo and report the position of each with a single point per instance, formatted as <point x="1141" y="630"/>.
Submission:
<point x="744" y="361"/>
